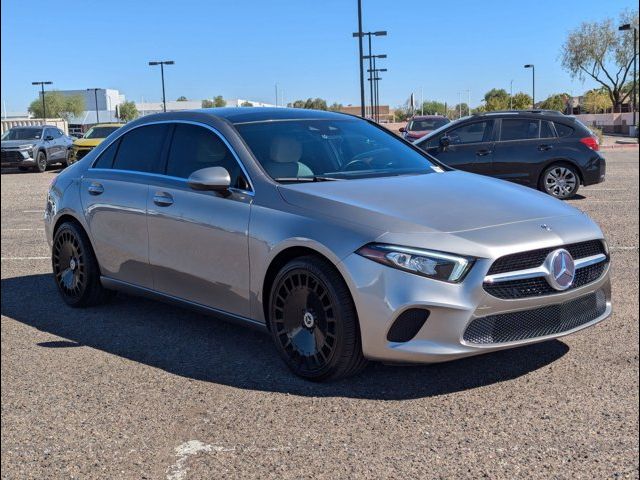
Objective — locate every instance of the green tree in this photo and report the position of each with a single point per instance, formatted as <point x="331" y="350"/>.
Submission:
<point x="217" y="101"/>
<point x="58" y="105"/>
<point x="521" y="101"/>
<point x="596" y="101"/>
<point x="335" y="107"/>
<point x="496" y="99"/>
<point x="401" y="114"/>
<point x="599" y="51"/>
<point x="127" y="111"/>
<point x="310" y="103"/>
<point x="433" y="107"/>
<point x="557" y="101"/>
<point x="246" y="104"/>
<point x="181" y="98"/>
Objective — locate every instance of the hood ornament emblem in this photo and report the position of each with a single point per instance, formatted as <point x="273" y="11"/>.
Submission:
<point x="561" y="269"/>
<point x="546" y="227"/>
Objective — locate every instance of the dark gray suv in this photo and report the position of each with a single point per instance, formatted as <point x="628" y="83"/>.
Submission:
<point x="542" y="149"/>
<point x="35" y="147"/>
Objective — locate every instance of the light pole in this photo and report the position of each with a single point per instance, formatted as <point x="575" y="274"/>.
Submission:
<point x="375" y="78"/>
<point x="162" y="64"/>
<point x="511" y="96"/>
<point x="360" y="58"/>
<point x="373" y="84"/>
<point x="533" y="73"/>
<point x="44" y="107"/>
<point x="626" y="27"/>
<point x="380" y="33"/>
<point x="95" y="96"/>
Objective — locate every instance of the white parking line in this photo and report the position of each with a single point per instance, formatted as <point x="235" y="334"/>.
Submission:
<point x="617" y="249"/>
<point x="24" y="258"/>
<point x="23" y="229"/>
<point x="33" y="211"/>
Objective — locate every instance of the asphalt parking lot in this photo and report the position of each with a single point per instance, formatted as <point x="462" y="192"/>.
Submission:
<point x="137" y="389"/>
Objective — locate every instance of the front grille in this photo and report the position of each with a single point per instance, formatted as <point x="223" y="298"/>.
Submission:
<point x="535" y="287"/>
<point x="535" y="258"/>
<point x="81" y="153"/>
<point x="540" y="322"/>
<point x="11" y="156"/>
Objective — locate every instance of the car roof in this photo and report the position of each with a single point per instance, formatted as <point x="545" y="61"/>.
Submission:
<point x="553" y="113"/>
<point x="108" y="124"/>
<point x="426" y="117"/>
<point x="264" y="114"/>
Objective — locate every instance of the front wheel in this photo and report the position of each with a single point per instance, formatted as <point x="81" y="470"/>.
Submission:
<point x="313" y="321"/>
<point x="41" y="162"/>
<point x="75" y="268"/>
<point x="560" y="181"/>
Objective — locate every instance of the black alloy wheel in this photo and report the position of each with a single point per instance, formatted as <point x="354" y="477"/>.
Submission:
<point x="41" y="162"/>
<point x="313" y="321"/>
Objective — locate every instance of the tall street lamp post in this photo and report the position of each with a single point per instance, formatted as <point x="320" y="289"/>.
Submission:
<point x="374" y="94"/>
<point x="380" y="33"/>
<point x="95" y="97"/>
<point x="162" y="64"/>
<point x="622" y="28"/>
<point x="44" y="106"/>
<point x="533" y="73"/>
<point x="375" y="78"/>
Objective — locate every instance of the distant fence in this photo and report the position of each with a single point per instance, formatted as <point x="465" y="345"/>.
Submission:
<point x="29" y="122"/>
<point x="608" y="122"/>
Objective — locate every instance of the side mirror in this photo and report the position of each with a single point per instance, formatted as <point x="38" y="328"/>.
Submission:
<point x="402" y="130"/>
<point x="215" y="179"/>
<point x="444" y="142"/>
<point x="48" y="138"/>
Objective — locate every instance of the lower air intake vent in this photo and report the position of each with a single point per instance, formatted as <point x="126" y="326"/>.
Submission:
<point x="407" y="325"/>
<point x="526" y="324"/>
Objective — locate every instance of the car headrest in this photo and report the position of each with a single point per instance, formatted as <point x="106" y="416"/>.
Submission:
<point x="285" y="149"/>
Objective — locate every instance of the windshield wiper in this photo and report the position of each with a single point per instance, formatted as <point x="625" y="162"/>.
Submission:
<point x="315" y="178"/>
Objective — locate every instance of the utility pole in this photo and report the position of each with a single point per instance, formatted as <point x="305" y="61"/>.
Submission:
<point x="95" y="96"/>
<point x="511" y="96"/>
<point x="44" y="105"/>
<point x="360" y="58"/>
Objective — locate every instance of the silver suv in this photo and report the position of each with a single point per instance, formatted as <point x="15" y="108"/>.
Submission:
<point x="35" y="147"/>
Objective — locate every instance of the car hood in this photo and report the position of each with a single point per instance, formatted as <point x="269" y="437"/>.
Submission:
<point x="18" y="143"/>
<point x="87" y="142"/>
<point x="448" y="202"/>
<point x="418" y="133"/>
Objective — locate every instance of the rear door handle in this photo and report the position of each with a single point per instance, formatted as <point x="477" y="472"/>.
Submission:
<point x="483" y="152"/>
<point x="95" y="188"/>
<point x="544" y="148"/>
<point x="163" y="199"/>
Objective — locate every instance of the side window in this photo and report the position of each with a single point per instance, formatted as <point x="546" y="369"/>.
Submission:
<point x="141" y="148"/>
<point x="48" y="132"/>
<point x="60" y="132"/>
<point x="471" y="133"/>
<point x="106" y="157"/>
<point x="193" y="148"/>
<point x="545" y="130"/>
<point x="56" y="133"/>
<point x="563" y="130"/>
<point x="519" y="129"/>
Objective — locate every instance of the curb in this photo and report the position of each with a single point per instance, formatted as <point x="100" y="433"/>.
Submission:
<point x="619" y="147"/>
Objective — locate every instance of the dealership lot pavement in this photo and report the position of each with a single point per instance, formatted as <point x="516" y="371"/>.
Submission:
<point x="137" y="389"/>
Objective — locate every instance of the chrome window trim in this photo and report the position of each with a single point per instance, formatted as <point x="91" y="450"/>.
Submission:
<point x="541" y="271"/>
<point x="188" y="122"/>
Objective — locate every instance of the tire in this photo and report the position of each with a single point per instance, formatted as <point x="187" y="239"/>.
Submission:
<point x="560" y="181"/>
<point x="67" y="160"/>
<point x="41" y="162"/>
<point x="75" y="268"/>
<point x="313" y="321"/>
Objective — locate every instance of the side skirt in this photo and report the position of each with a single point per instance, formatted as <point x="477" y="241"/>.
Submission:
<point x="131" y="289"/>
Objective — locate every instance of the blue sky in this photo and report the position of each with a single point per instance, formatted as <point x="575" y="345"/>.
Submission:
<point x="241" y="49"/>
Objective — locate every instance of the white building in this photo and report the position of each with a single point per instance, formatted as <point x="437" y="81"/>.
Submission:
<point x="100" y="107"/>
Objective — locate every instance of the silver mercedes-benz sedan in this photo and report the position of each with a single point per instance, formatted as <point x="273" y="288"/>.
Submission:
<point x="342" y="240"/>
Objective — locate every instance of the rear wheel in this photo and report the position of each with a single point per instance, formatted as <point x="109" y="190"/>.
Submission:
<point x="313" y="321"/>
<point x="560" y="181"/>
<point x="41" y="162"/>
<point x="75" y="268"/>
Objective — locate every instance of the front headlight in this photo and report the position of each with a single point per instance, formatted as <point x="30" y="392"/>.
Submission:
<point x="428" y="263"/>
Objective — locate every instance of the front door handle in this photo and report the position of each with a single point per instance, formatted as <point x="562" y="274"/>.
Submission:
<point x="95" y="188"/>
<point x="483" y="152"/>
<point x="544" y="148"/>
<point x="163" y="199"/>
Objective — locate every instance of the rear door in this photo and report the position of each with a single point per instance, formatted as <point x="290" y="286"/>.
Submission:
<point x="198" y="240"/>
<point x="114" y="199"/>
<point x="524" y="146"/>
<point x="470" y="148"/>
<point x="52" y="144"/>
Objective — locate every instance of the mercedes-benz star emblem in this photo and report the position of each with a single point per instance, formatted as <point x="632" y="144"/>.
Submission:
<point x="561" y="268"/>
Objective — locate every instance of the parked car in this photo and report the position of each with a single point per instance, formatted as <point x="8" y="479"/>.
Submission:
<point x="541" y="149"/>
<point x="342" y="240"/>
<point x="35" y="147"/>
<point x="418" y="126"/>
<point x="91" y="139"/>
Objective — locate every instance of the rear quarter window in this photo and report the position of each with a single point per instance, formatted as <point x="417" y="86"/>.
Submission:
<point x="563" y="130"/>
<point x="106" y="158"/>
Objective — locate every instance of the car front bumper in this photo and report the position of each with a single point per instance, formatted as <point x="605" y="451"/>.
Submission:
<point x="381" y="294"/>
<point x="17" y="158"/>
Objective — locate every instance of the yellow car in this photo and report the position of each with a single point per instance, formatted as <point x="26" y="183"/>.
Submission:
<point x="94" y="136"/>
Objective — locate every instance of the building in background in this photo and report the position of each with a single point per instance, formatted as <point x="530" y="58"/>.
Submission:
<point x="384" y="112"/>
<point x="108" y="99"/>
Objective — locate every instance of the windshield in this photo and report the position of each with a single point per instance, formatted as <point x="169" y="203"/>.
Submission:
<point x="22" y="134"/>
<point x="305" y="150"/>
<point x="100" y="132"/>
<point x="428" y="124"/>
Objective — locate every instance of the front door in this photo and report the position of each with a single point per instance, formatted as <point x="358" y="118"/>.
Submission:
<point x="198" y="240"/>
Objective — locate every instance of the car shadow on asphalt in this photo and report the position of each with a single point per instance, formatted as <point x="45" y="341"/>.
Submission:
<point x="203" y="348"/>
